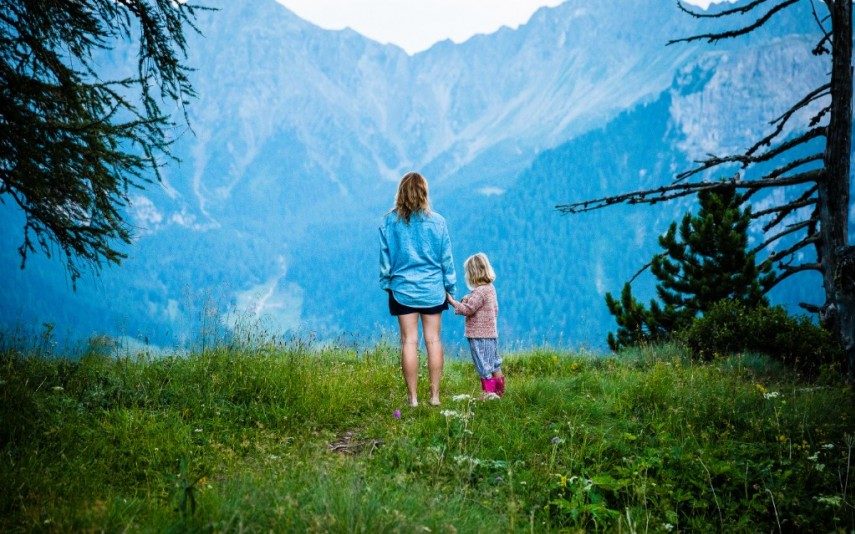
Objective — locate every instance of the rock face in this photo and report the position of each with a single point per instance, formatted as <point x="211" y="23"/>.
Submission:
<point x="300" y="134"/>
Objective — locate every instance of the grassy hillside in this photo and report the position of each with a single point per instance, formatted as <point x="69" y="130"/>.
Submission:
<point x="292" y="438"/>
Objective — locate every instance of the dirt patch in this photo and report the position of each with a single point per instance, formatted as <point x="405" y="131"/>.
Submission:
<point x="348" y="442"/>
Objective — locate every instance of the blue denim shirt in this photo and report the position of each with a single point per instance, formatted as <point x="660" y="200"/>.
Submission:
<point x="415" y="259"/>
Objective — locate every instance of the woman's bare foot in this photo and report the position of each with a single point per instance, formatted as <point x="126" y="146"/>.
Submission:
<point x="435" y="401"/>
<point x="414" y="403"/>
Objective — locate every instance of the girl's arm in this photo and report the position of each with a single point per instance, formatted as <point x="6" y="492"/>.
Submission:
<point x="472" y="303"/>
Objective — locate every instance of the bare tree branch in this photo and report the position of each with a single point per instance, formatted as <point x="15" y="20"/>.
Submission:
<point x="643" y="268"/>
<point x="746" y="159"/>
<point x="669" y="192"/>
<point x="789" y="271"/>
<point x="713" y="37"/>
<point x="796" y="163"/>
<point x="810" y="308"/>
<point x="804" y="197"/>
<point x="777" y="255"/>
<point x="818" y="22"/>
<point x="737" y="10"/>
<point x="788" y="208"/>
<point x="781" y="121"/>
<point x="790" y="229"/>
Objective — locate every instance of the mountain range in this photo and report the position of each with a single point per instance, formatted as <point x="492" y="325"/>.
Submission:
<point x="299" y="135"/>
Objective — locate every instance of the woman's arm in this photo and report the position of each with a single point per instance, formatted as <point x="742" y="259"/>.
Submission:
<point x="449" y="276"/>
<point x="385" y="262"/>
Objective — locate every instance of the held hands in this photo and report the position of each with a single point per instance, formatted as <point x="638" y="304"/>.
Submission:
<point x="450" y="299"/>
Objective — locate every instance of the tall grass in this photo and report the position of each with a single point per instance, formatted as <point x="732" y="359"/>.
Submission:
<point x="238" y="439"/>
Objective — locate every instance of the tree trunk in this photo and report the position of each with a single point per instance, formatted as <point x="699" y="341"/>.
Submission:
<point x="837" y="257"/>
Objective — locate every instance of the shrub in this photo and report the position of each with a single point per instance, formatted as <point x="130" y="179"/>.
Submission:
<point x="730" y="327"/>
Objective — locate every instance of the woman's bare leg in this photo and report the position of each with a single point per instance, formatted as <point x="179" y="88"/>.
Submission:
<point x="431" y="327"/>
<point x="409" y="326"/>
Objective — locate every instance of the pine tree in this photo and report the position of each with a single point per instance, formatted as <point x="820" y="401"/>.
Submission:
<point x="821" y="180"/>
<point x="708" y="261"/>
<point x="73" y="144"/>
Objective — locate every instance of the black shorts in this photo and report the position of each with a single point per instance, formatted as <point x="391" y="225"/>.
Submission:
<point x="396" y="308"/>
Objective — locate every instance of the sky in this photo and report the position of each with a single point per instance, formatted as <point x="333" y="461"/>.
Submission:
<point x="415" y="25"/>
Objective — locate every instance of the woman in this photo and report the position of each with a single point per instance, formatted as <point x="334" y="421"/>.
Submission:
<point x="417" y="270"/>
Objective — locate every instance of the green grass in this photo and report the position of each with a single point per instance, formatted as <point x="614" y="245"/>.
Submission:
<point x="234" y="440"/>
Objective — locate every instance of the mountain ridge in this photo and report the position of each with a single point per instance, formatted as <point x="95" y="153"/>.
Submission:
<point x="301" y="134"/>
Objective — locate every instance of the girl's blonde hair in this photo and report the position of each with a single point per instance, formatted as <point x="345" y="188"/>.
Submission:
<point x="412" y="196"/>
<point x="478" y="270"/>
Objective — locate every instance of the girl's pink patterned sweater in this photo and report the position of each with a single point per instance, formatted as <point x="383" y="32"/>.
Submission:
<point x="481" y="308"/>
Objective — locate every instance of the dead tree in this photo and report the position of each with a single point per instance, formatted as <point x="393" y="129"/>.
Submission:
<point x="825" y="189"/>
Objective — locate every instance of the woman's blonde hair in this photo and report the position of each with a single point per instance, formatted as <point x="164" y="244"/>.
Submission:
<point x="412" y="196"/>
<point x="478" y="270"/>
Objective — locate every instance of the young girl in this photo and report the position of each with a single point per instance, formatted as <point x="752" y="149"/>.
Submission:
<point x="481" y="309"/>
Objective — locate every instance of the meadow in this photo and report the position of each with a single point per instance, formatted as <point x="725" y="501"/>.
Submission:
<point x="293" y="437"/>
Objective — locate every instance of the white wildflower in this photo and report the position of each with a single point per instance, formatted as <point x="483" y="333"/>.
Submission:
<point x="198" y="430"/>
<point x="668" y="527"/>
<point x="557" y="441"/>
<point x="814" y="457"/>
<point x="771" y="395"/>
<point x="462" y="459"/>
<point x="828" y="446"/>
<point x="58" y="388"/>
<point x="461" y="397"/>
<point x="450" y="413"/>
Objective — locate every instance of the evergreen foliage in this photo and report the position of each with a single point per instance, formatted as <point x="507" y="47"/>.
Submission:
<point x="708" y="261"/>
<point x="73" y="144"/>
<point x="731" y="327"/>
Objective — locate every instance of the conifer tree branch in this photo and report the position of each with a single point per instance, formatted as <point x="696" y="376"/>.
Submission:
<point x="713" y="37"/>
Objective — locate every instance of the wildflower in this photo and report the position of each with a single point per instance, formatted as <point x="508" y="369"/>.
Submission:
<point x="557" y="441"/>
<point x="771" y="395"/>
<point x="782" y="438"/>
<point x="450" y="413"/>
<point x="198" y="430"/>
<point x="668" y="527"/>
<point x="760" y="388"/>
<point x="461" y="397"/>
<point x="58" y="388"/>
<point x="462" y="458"/>
<point x="396" y="414"/>
<point x="828" y="446"/>
<point x="814" y="457"/>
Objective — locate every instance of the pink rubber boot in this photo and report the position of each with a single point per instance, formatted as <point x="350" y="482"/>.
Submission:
<point x="500" y="385"/>
<point x="488" y="386"/>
